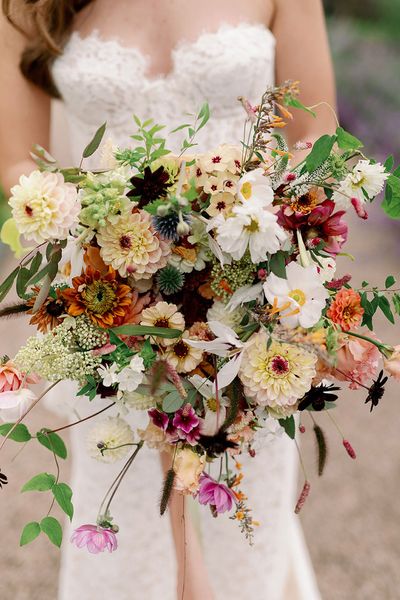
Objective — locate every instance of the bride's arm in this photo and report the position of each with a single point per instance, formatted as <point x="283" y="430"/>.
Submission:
<point x="303" y="54"/>
<point x="24" y="110"/>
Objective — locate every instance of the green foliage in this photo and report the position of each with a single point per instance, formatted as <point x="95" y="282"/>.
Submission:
<point x="63" y="494"/>
<point x="295" y="103"/>
<point x="148" y="354"/>
<point x="20" y="432"/>
<point x="95" y="142"/>
<point x="199" y="122"/>
<point x="53" y="442"/>
<point x="89" y="389"/>
<point x="347" y="141"/>
<point x="39" y="483"/>
<point x="7" y="284"/>
<point x="289" y="425"/>
<point x="391" y="201"/>
<point x="163" y="332"/>
<point x="29" y="533"/>
<point x="320" y="152"/>
<point x="276" y="264"/>
<point x="52" y="528"/>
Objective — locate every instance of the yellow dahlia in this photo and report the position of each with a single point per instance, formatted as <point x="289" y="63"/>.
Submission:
<point x="182" y="356"/>
<point x="278" y="376"/>
<point x="165" y="315"/>
<point x="132" y="247"/>
<point x="101" y="297"/>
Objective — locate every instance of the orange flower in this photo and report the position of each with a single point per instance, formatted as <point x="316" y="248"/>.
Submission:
<point x="346" y="309"/>
<point x="49" y="314"/>
<point x="101" y="297"/>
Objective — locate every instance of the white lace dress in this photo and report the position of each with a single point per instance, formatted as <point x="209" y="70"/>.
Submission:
<point x="104" y="81"/>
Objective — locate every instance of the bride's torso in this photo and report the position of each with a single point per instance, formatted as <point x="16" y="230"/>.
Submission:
<point x="106" y="76"/>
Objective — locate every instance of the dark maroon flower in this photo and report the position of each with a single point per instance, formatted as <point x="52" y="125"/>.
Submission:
<point x="153" y="185"/>
<point x="321" y="222"/>
<point x="159" y="419"/>
<point x="185" y="419"/>
<point x="337" y="284"/>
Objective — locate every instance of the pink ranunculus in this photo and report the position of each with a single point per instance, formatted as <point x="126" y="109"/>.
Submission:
<point x="357" y="362"/>
<point x="218" y="495"/>
<point x="392" y="364"/>
<point x="12" y="378"/>
<point x="95" y="538"/>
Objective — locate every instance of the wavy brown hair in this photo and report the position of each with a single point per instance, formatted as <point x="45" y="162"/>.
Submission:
<point x="46" y="25"/>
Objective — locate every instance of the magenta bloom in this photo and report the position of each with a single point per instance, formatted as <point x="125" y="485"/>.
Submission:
<point x="321" y="222"/>
<point x="95" y="538"/>
<point x="160" y="419"/>
<point x="216" y="494"/>
<point x="185" y="419"/>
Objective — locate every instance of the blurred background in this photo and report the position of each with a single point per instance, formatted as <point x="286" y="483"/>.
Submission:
<point x="352" y="517"/>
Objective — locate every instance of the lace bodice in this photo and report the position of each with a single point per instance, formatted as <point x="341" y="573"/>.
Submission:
<point x="102" y="80"/>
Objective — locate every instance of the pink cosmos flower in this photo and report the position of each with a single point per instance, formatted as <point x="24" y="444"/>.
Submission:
<point x="95" y="538"/>
<point x="218" y="495"/>
<point x="321" y="222"/>
<point x="185" y="419"/>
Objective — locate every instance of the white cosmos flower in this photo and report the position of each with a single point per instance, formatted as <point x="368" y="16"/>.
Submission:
<point x="253" y="227"/>
<point x="300" y="298"/>
<point x="14" y="404"/>
<point x="254" y="186"/>
<point x="131" y="376"/>
<point x="226" y="344"/>
<point x="365" y="176"/>
<point x="215" y="412"/>
<point x="108" y="374"/>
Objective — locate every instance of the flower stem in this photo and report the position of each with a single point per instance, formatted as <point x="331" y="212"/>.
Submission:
<point x="387" y="351"/>
<point x="82" y="420"/>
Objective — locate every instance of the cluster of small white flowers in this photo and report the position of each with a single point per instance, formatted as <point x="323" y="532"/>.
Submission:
<point x="85" y="333"/>
<point x="54" y="356"/>
<point x="128" y="378"/>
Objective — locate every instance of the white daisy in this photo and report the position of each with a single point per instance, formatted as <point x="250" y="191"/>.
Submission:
<point x="366" y="177"/>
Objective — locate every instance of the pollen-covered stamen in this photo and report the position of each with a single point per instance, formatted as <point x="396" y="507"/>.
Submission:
<point x="279" y="366"/>
<point x="181" y="349"/>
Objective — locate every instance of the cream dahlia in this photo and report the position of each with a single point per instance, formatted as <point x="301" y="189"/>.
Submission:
<point x="165" y="315"/>
<point x="366" y="177"/>
<point x="44" y="206"/>
<point x="183" y="356"/>
<point x="132" y="247"/>
<point x="278" y="376"/>
<point x="110" y="440"/>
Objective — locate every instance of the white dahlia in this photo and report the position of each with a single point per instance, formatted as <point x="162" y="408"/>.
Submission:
<point x="44" y="206"/>
<point x="132" y="247"/>
<point x="110" y="440"/>
<point x="165" y="315"/>
<point x="278" y="376"/>
<point x="365" y="176"/>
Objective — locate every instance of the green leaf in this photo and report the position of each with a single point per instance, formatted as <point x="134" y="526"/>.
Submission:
<point x="391" y="201"/>
<point x="276" y="264"/>
<point x="63" y="494"/>
<point x="148" y="354"/>
<point x="29" y="533"/>
<point x="40" y="483"/>
<point x="389" y="163"/>
<point x="289" y="426"/>
<point x="396" y="303"/>
<point x="52" y="528"/>
<point x="172" y="402"/>
<point x="19" y="434"/>
<point x="53" y="442"/>
<point x="22" y="279"/>
<point x="164" y="332"/>
<point x="204" y="115"/>
<point x="346" y="141"/>
<point x="320" y="152"/>
<point x="95" y="142"/>
<point x="390" y="280"/>
<point x="7" y="283"/>
<point x="295" y="102"/>
<point x="385" y="308"/>
<point x="10" y="235"/>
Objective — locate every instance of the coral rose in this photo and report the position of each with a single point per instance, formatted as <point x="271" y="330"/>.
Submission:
<point x="357" y="362"/>
<point x="392" y="364"/>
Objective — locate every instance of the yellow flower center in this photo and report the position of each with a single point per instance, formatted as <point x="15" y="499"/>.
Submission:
<point x="99" y="297"/>
<point x="253" y="226"/>
<point x="246" y="190"/>
<point x="298" y="296"/>
<point x="212" y="404"/>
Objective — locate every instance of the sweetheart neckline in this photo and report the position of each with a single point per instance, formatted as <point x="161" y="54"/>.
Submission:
<point x="182" y="45"/>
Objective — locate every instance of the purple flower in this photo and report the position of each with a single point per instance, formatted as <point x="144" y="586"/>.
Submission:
<point x="216" y="494"/>
<point x="185" y="419"/>
<point x="193" y="436"/>
<point x="95" y="538"/>
<point x="160" y="419"/>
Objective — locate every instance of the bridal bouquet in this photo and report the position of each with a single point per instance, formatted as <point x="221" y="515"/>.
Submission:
<point x="200" y="288"/>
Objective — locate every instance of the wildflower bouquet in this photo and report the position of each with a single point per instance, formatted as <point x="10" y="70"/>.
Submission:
<point x="200" y="288"/>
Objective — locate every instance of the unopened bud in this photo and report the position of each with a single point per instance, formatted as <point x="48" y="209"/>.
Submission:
<point x="349" y="449"/>
<point x="163" y="210"/>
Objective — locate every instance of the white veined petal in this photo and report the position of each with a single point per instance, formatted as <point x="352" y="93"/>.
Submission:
<point x="244" y="294"/>
<point x="224" y="332"/>
<point x="229" y="371"/>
